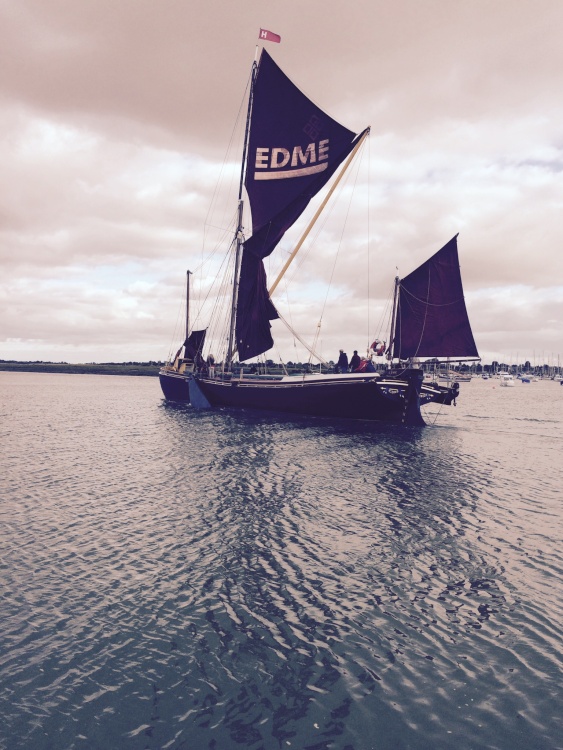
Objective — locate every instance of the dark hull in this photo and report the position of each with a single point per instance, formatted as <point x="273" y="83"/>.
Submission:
<point x="397" y="397"/>
<point x="439" y="394"/>
<point x="347" y="396"/>
<point x="174" y="386"/>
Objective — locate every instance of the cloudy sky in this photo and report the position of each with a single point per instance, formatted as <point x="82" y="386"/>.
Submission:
<point x="117" y="121"/>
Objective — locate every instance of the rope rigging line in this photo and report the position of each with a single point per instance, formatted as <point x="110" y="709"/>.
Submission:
<point x="319" y="229"/>
<point x="227" y="190"/>
<point x="433" y="304"/>
<point x="427" y="305"/>
<point x="385" y="320"/>
<point x="301" y="341"/>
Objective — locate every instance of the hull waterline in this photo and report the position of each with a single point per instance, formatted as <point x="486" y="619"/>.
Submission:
<point x="343" y="397"/>
<point x="380" y="398"/>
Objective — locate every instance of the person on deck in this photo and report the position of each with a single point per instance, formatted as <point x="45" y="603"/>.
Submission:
<point x="342" y="364"/>
<point x="355" y="361"/>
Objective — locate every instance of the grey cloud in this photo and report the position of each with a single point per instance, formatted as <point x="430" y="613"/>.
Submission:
<point x="116" y="120"/>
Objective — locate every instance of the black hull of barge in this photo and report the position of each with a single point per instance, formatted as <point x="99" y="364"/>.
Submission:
<point x="368" y="398"/>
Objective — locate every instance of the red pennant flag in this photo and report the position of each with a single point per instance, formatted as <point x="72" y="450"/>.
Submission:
<point x="269" y="36"/>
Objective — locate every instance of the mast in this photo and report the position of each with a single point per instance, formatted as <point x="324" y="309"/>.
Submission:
<point x="188" y="274"/>
<point x="236" y="276"/>
<point x="393" y="321"/>
<point x="231" y="348"/>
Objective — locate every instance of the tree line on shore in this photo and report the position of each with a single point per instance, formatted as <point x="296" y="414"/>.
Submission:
<point x="152" y="367"/>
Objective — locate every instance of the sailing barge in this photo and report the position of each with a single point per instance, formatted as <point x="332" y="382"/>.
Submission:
<point x="291" y="151"/>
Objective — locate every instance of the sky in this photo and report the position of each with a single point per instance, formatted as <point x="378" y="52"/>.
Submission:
<point x="118" y="146"/>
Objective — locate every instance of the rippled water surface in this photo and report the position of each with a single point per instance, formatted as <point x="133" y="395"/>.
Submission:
<point x="192" y="580"/>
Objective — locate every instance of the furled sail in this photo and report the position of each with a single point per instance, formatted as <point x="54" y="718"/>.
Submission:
<point x="431" y="317"/>
<point x="294" y="149"/>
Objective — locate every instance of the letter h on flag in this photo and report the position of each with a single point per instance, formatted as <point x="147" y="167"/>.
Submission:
<point x="269" y="36"/>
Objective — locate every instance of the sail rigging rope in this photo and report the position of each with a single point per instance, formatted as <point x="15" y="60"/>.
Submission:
<point x="226" y="178"/>
<point x="301" y="341"/>
<point x="237" y="128"/>
<point x="434" y="304"/>
<point x="437" y="414"/>
<point x="385" y="320"/>
<point x="319" y="229"/>
<point x="175" y="336"/>
<point x="426" y="306"/>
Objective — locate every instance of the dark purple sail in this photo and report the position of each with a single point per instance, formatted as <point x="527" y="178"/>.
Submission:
<point x="431" y="317"/>
<point x="194" y="344"/>
<point x="294" y="149"/>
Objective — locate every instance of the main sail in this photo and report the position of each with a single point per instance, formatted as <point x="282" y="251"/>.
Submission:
<point x="294" y="149"/>
<point x="431" y="317"/>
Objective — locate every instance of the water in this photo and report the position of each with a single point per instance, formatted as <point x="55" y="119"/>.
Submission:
<point x="189" y="580"/>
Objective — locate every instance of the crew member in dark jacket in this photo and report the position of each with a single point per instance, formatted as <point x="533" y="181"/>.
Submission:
<point x="355" y="361"/>
<point x="342" y="364"/>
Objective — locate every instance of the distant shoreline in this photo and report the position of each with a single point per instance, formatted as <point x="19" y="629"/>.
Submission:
<point x="149" y="369"/>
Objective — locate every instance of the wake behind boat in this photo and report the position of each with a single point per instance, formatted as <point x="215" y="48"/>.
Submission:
<point x="292" y="150"/>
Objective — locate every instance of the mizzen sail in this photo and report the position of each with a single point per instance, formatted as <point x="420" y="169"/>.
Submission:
<point x="431" y="318"/>
<point x="294" y="149"/>
<point x="194" y="344"/>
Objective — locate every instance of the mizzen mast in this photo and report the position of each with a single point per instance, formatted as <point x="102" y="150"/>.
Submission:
<point x="393" y="321"/>
<point x="188" y="274"/>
